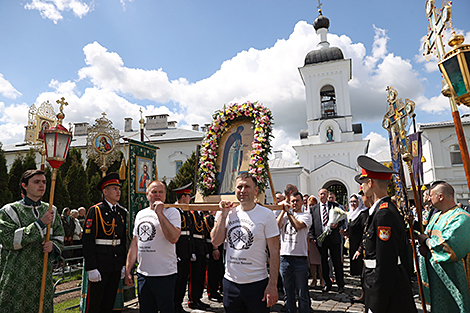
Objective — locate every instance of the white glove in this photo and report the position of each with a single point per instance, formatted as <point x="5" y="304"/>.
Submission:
<point x="123" y="272"/>
<point x="207" y="256"/>
<point x="94" y="276"/>
<point x="193" y="257"/>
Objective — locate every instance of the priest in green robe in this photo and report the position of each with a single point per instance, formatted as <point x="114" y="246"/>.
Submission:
<point x="22" y="247"/>
<point x="445" y="248"/>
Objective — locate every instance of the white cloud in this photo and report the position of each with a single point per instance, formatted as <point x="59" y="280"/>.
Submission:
<point x="7" y="89"/>
<point x="53" y="9"/>
<point x="12" y="122"/>
<point x="270" y="76"/>
<point x="378" y="145"/>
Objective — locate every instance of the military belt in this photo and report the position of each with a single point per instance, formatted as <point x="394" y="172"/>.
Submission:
<point x="185" y="233"/>
<point x="108" y="242"/>
<point x="372" y="263"/>
<point x="198" y="236"/>
<point x="208" y="240"/>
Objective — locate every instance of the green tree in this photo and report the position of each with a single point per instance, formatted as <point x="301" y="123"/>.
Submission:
<point x="5" y="193"/>
<point x="29" y="162"/>
<point x="61" y="195"/>
<point x="14" y="176"/>
<point x="76" y="184"/>
<point x="185" y="176"/>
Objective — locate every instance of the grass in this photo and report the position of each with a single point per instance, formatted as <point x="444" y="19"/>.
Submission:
<point x="61" y="307"/>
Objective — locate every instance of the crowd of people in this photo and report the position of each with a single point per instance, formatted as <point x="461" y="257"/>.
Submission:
<point x="246" y="253"/>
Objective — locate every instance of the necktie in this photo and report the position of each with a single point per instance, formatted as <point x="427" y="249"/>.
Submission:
<point x="325" y="215"/>
<point x="113" y="208"/>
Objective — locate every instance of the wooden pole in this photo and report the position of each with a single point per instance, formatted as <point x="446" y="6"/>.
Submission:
<point x="48" y="233"/>
<point x="272" y="186"/>
<point x="415" y="257"/>
<point x="211" y="206"/>
<point x="408" y="158"/>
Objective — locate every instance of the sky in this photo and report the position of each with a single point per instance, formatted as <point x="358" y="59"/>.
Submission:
<point x="187" y="58"/>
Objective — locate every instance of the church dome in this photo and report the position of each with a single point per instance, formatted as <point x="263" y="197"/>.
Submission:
<point x="324" y="55"/>
<point x="321" y="22"/>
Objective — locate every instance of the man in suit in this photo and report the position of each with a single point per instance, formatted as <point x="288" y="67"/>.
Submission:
<point x="332" y="242"/>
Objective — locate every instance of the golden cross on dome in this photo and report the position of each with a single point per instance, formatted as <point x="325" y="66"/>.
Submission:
<point x="62" y="103"/>
<point x="319" y="6"/>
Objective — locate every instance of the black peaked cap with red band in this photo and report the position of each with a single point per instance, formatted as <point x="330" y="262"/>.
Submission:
<point x="108" y="180"/>
<point x="373" y="169"/>
<point x="183" y="190"/>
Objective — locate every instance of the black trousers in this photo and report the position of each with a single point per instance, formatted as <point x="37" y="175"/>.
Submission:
<point x="184" y="266"/>
<point x="215" y="273"/>
<point x="101" y="295"/>
<point x="196" y="278"/>
<point x="335" y="254"/>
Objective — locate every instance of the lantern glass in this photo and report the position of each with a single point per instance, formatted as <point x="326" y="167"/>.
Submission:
<point x="57" y="145"/>
<point x="455" y="75"/>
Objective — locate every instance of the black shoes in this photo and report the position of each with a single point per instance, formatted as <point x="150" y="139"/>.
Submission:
<point x="326" y="289"/>
<point x="216" y="298"/>
<point x="340" y="289"/>
<point x="198" y="305"/>
<point x="179" y="309"/>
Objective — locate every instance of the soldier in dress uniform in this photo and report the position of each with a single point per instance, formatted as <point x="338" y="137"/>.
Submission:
<point x="386" y="264"/>
<point x="215" y="265"/>
<point x="198" y="262"/>
<point x="184" y="247"/>
<point x="104" y="246"/>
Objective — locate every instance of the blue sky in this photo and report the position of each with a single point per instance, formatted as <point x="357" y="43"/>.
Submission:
<point x="189" y="58"/>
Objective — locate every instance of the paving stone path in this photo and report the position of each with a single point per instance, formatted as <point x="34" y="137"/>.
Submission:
<point x="320" y="302"/>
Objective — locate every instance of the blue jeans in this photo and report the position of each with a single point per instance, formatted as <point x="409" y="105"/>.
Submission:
<point x="294" y="273"/>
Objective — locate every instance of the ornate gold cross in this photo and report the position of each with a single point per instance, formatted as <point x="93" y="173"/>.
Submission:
<point x="437" y="22"/>
<point x="397" y="116"/>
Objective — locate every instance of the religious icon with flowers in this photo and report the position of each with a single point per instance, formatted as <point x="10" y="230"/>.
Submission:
<point x="237" y="140"/>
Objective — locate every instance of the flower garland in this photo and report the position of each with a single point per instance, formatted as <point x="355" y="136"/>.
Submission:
<point x="222" y="119"/>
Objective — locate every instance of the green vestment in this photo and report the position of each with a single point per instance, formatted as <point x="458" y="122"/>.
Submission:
<point x="22" y="257"/>
<point x="445" y="267"/>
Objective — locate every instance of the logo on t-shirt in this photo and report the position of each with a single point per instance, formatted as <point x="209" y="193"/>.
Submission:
<point x="289" y="230"/>
<point x="146" y="231"/>
<point x="240" y="237"/>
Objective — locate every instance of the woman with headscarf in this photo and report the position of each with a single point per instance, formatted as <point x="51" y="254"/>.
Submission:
<point x="357" y="217"/>
<point x="314" y="259"/>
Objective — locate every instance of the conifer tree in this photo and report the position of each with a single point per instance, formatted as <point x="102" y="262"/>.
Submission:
<point x="29" y="162"/>
<point x="61" y="195"/>
<point x="185" y="176"/>
<point x="14" y="176"/>
<point x="76" y="184"/>
<point x="5" y="193"/>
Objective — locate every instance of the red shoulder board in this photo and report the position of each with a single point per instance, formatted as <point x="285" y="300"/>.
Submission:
<point x="383" y="206"/>
<point x="384" y="232"/>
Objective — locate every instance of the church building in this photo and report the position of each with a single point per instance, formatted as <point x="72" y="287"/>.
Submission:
<point x="331" y="143"/>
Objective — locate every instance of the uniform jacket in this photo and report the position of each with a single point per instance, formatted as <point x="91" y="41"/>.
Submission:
<point x="105" y="258"/>
<point x="185" y="244"/>
<point x="387" y="286"/>
<point x="316" y="228"/>
<point x="199" y="234"/>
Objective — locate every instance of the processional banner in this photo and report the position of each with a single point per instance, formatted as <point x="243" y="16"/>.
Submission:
<point x="142" y="170"/>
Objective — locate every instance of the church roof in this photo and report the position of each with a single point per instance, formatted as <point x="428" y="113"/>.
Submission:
<point x="324" y="55"/>
<point x="321" y="22"/>
<point x="281" y="163"/>
<point x="465" y="121"/>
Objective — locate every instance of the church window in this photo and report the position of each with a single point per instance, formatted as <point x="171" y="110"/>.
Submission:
<point x="178" y="166"/>
<point x="328" y="101"/>
<point x="455" y="156"/>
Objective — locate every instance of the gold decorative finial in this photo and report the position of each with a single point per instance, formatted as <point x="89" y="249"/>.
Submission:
<point x="319" y="6"/>
<point x="61" y="115"/>
<point x="141" y="121"/>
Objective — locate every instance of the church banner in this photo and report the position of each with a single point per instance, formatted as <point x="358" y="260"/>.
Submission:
<point x="142" y="170"/>
<point x="417" y="154"/>
<point x="400" y="185"/>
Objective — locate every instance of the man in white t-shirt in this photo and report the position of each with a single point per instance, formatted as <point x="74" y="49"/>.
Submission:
<point x="156" y="231"/>
<point x="294" y="225"/>
<point x="246" y="230"/>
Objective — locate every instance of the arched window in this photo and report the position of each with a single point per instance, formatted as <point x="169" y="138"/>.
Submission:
<point x="455" y="156"/>
<point x="328" y="101"/>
